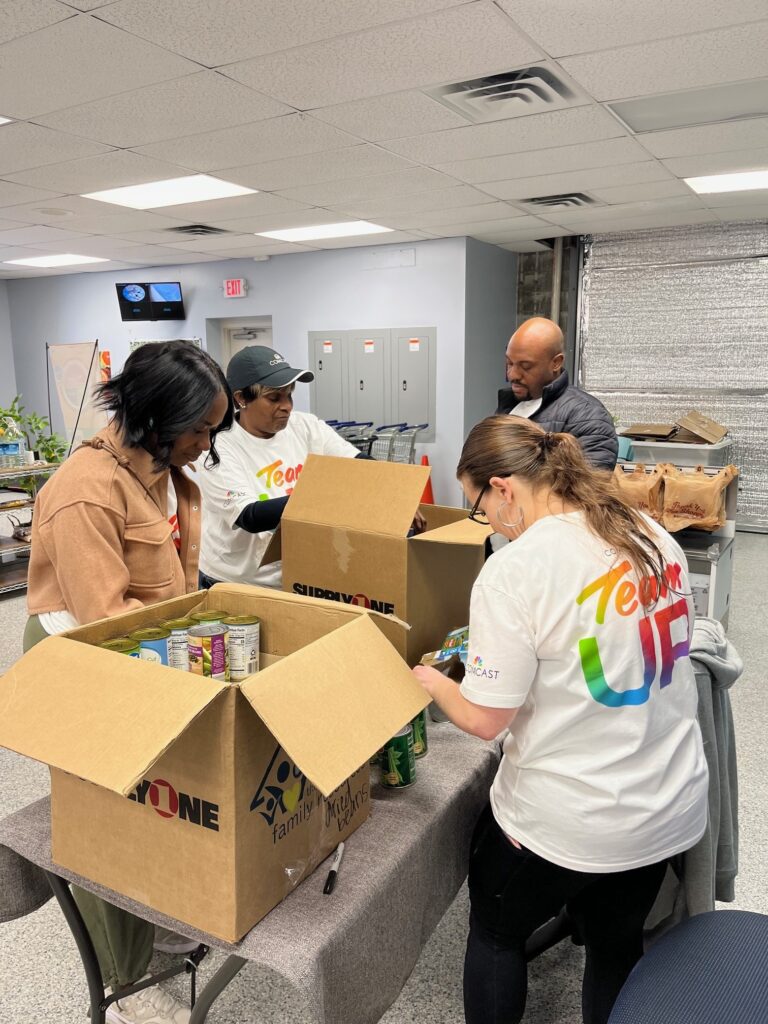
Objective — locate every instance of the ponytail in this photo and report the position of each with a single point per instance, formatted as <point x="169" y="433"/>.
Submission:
<point x="511" y="446"/>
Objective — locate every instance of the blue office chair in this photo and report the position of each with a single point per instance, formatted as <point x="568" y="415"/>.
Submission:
<point x="710" y="969"/>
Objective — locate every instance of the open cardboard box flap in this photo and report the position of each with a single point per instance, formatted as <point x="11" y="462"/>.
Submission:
<point x="357" y="494"/>
<point x="93" y="722"/>
<point x="335" y="702"/>
<point x="696" y="427"/>
<point x="463" y="531"/>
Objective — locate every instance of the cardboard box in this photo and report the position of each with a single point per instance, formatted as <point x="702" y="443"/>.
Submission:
<point x="235" y="792"/>
<point x="345" y="538"/>
<point x="693" y="428"/>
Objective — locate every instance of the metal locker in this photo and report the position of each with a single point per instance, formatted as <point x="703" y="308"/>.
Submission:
<point x="327" y="397"/>
<point x="413" y="383"/>
<point x="368" y="374"/>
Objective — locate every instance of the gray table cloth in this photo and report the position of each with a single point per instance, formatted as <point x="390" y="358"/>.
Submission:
<point x="351" y="952"/>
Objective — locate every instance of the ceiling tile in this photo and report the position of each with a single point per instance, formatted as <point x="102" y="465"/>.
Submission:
<point x="98" y="172"/>
<point x="585" y="225"/>
<point x="12" y="194"/>
<point x="30" y="145"/>
<point x="516" y="135"/>
<point x="464" y="42"/>
<point x="77" y="61"/>
<point x="9" y="225"/>
<point x="486" y="212"/>
<point x="707" y="58"/>
<point x="214" y="243"/>
<point x="95" y="246"/>
<point x="61" y="210"/>
<point x="707" y="138"/>
<point x="439" y="199"/>
<point x="728" y="213"/>
<point x="328" y="166"/>
<point x="546" y="161"/>
<point x="217" y="32"/>
<point x="375" y="187"/>
<point x="196" y="103"/>
<point x="22" y="18"/>
<point x="390" y="117"/>
<point x="228" y="209"/>
<point x="375" y="241"/>
<point x="273" y="249"/>
<point x="141" y="252"/>
<point x="31" y="234"/>
<point x="88" y="5"/>
<point x="625" y="210"/>
<point x="292" y="135"/>
<point x="572" y="26"/>
<point x="276" y="221"/>
<point x="718" y="163"/>
<point x="496" y="229"/>
<point x="575" y="181"/>
<point x="179" y="259"/>
<point x="639" y="192"/>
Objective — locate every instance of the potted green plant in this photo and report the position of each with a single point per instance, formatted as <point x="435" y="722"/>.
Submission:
<point x="39" y="438"/>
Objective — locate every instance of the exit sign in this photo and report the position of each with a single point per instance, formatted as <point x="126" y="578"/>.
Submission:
<point x="235" y="288"/>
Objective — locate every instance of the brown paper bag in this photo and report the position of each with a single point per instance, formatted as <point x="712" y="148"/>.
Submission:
<point x="642" y="490"/>
<point x="695" y="499"/>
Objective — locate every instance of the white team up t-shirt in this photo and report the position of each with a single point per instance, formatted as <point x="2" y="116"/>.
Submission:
<point x="255" y="469"/>
<point x="603" y="766"/>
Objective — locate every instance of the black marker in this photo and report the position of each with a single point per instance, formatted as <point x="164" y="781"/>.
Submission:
<point x="330" y="881"/>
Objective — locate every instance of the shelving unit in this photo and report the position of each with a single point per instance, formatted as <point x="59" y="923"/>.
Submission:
<point x="13" y="574"/>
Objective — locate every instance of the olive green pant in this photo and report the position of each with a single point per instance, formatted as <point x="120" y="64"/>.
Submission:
<point x="123" y="943"/>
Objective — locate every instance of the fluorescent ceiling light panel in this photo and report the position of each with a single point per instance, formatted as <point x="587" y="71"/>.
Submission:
<point x="193" y="188"/>
<point x="5" y="120"/>
<point x="353" y="227"/>
<point x="731" y="102"/>
<point x="742" y="181"/>
<point x="65" y="259"/>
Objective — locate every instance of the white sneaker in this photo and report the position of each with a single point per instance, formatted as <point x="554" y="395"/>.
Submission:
<point x="167" y="941"/>
<point x="149" y="1006"/>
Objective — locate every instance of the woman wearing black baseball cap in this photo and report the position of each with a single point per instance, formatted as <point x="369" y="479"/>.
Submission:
<point x="260" y="460"/>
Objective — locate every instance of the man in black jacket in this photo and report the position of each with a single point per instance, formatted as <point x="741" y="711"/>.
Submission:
<point x="540" y="391"/>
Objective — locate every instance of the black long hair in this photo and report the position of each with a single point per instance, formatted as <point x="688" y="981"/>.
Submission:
<point x="164" y="390"/>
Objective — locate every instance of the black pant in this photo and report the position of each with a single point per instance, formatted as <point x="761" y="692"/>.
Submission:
<point x="205" y="582"/>
<point x="513" y="892"/>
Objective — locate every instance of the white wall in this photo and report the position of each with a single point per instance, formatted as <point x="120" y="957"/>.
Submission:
<point x="7" y="371"/>
<point x="329" y="290"/>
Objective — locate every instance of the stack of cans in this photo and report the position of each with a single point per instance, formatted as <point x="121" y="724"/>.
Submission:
<point x="398" y="757"/>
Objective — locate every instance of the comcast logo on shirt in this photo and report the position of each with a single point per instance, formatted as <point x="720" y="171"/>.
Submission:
<point x="477" y="668"/>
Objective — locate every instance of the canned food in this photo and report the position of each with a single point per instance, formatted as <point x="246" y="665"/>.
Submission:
<point x="153" y="644"/>
<point x="178" y="643"/>
<point x="209" y="651"/>
<point x="211" y="617"/>
<point x="122" y="645"/>
<point x="419" y="725"/>
<point x="244" y="631"/>
<point x="398" y="763"/>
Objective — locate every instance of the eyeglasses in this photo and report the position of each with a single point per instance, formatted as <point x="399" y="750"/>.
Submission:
<point x="475" y="514"/>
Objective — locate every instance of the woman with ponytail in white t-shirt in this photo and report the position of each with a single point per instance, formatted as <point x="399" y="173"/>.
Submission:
<point x="579" y="638"/>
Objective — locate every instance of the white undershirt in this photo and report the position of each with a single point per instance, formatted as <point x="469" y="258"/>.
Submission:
<point x="526" y="409"/>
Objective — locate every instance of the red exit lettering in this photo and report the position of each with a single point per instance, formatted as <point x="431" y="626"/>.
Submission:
<point x="233" y="288"/>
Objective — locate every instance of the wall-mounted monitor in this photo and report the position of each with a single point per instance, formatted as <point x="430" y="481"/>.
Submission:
<point x="158" y="300"/>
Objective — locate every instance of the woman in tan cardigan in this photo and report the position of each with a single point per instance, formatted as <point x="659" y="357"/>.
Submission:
<point x="117" y="528"/>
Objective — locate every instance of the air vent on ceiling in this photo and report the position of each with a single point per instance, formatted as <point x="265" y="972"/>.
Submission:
<point x="525" y="91"/>
<point x="566" y="201"/>
<point x="197" y="229"/>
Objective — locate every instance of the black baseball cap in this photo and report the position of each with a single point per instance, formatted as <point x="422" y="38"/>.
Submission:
<point x="259" y="364"/>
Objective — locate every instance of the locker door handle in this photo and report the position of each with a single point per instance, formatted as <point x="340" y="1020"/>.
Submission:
<point x="405" y="385"/>
<point x="362" y="386"/>
<point x="320" y="365"/>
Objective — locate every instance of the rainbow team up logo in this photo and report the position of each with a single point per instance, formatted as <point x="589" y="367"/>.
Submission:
<point x="476" y="668"/>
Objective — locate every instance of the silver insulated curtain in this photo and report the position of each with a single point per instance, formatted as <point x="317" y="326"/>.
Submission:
<point x="677" y="319"/>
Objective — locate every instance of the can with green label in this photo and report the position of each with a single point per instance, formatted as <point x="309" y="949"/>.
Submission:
<point x="122" y="645"/>
<point x="398" y="763"/>
<point x="178" y="642"/>
<point x="419" y="724"/>
<point x="209" y="651"/>
<point x="244" y="633"/>
<point x="153" y="644"/>
<point x="211" y="617"/>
